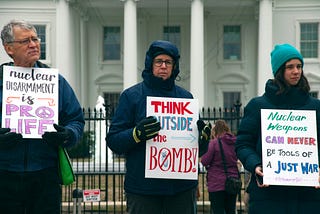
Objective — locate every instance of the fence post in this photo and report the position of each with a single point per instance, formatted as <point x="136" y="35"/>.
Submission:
<point x="77" y="201"/>
<point x="237" y="106"/>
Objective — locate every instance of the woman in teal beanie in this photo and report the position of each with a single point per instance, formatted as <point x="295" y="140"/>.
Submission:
<point x="283" y="53"/>
<point x="288" y="90"/>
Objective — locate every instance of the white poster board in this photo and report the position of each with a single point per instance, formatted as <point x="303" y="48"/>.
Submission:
<point x="173" y="154"/>
<point x="289" y="147"/>
<point x="30" y="100"/>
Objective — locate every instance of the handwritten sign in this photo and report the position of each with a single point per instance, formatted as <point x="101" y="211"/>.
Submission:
<point x="173" y="154"/>
<point x="289" y="146"/>
<point x="30" y="100"/>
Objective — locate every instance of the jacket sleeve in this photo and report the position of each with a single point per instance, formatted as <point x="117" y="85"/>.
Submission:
<point x="70" y="111"/>
<point x="207" y="157"/>
<point x="119" y="138"/>
<point x="248" y="144"/>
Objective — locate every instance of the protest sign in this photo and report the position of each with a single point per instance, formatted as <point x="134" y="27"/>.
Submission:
<point x="29" y="100"/>
<point x="173" y="154"/>
<point x="289" y="147"/>
<point x="91" y="195"/>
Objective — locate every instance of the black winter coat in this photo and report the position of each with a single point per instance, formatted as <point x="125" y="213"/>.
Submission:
<point x="249" y="150"/>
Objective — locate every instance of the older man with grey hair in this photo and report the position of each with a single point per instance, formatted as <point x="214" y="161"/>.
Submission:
<point x="29" y="178"/>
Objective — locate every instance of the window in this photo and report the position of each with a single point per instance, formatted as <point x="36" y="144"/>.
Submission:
<point x="309" y="40"/>
<point x="232" y="42"/>
<point x="111" y="43"/>
<point x="230" y="99"/>
<point x="41" y="31"/>
<point x="172" y="34"/>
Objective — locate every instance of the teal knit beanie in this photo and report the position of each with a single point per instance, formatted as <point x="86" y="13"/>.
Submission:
<point x="283" y="53"/>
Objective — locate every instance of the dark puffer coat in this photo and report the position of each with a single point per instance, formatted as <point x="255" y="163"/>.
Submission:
<point x="276" y="199"/>
<point x="131" y="110"/>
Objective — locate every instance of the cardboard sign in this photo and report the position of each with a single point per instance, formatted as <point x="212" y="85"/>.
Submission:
<point x="289" y="147"/>
<point x="29" y="100"/>
<point x="173" y="154"/>
<point x="91" y="195"/>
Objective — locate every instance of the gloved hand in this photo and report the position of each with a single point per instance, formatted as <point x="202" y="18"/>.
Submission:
<point x="58" y="138"/>
<point x="9" y="139"/>
<point x="146" y="129"/>
<point x="204" y="136"/>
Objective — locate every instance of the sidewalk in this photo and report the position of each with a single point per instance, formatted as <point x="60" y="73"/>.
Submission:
<point x="119" y="207"/>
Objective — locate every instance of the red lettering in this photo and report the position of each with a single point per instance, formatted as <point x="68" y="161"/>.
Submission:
<point x="156" y="104"/>
<point x="182" y="160"/>
<point x="171" y="107"/>
<point x="312" y="141"/>
<point x="185" y="108"/>
<point x="302" y="140"/>
<point x="153" y="158"/>
<point x="160" y="138"/>
<point x="188" y="162"/>
<point x="177" y="155"/>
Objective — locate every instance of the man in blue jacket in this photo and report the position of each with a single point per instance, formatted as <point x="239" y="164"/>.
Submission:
<point x="29" y="179"/>
<point x="130" y="128"/>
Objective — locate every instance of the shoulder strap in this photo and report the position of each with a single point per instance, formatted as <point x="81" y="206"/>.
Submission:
<point x="223" y="157"/>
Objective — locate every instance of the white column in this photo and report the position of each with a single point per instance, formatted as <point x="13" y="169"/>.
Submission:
<point x="130" y="68"/>
<point x="64" y="53"/>
<point x="83" y="62"/>
<point x="197" y="51"/>
<point x="264" y="44"/>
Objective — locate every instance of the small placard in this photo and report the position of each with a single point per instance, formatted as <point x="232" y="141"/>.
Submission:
<point x="91" y="195"/>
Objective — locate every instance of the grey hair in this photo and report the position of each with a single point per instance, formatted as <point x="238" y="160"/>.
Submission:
<point x="7" y="31"/>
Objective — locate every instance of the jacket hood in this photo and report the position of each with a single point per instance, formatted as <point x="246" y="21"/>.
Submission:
<point x="228" y="138"/>
<point x="156" y="48"/>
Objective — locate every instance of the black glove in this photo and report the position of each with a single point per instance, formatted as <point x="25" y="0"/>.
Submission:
<point x="146" y="129"/>
<point x="58" y="138"/>
<point x="204" y="136"/>
<point x="9" y="139"/>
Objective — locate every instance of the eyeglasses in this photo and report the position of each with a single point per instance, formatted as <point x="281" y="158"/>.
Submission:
<point x="159" y="62"/>
<point x="291" y="67"/>
<point x="27" y="41"/>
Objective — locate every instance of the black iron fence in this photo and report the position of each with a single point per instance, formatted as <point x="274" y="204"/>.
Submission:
<point x="98" y="170"/>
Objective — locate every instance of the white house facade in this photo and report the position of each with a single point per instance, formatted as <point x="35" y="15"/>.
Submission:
<point x="99" y="45"/>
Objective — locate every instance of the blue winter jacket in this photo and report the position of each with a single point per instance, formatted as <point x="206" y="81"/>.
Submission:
<point x="34" y="154"/>
<point x="131" y="110"/>
<point x="249" y="147"/>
